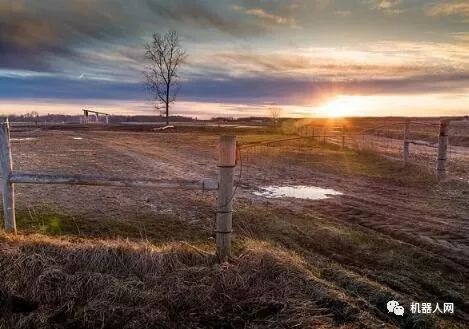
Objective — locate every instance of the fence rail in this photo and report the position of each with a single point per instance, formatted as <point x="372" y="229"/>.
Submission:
<point x="45" y="178"/>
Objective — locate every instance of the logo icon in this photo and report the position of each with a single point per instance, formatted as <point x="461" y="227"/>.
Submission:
<point x="394" y="307"/>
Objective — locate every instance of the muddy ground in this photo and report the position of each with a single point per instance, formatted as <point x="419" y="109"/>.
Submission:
<point x="395" y="231"/>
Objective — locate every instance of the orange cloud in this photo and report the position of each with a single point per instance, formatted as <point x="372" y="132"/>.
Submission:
<point x="377" y="60"/>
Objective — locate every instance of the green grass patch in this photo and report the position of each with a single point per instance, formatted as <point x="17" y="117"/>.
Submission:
<point x="161" y="228"/>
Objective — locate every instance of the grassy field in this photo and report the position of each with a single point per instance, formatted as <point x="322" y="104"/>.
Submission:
<point x="95" y="257"/>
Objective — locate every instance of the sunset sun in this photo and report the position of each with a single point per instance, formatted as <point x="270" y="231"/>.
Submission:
<point x="342" y="106"/>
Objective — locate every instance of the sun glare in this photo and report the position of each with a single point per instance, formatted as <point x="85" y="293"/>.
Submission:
<point x="342" y="106"/>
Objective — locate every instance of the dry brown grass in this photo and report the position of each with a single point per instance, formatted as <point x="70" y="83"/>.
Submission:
<point x="109" y="284"/>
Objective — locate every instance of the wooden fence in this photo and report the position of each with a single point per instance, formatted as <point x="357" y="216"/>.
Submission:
<point x="339" y="136"/>
<point x="224" y="186"/>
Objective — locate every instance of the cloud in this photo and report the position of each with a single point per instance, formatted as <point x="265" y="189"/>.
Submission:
<point x="253" y="90"/>
<point x="386" y="6"/>
<point x="462" y="36"/>
<point x="238" y="49"/>
<point x="34" y="34"/>
<point x="262" y="14"/>
<point x="364" y="61"/>
<point x="199" y="14"/>
<point x="342" y="13"/>
<point x="63" y="88"/>
<point x="32" y="37"/>
<point x="310" y="91"/>
<point x="270" y="12"/>
<point x="449" y="8"/>
<point x="321" y="4"/>
<point x="309" y="74"/>
<point x="285" y="75"/>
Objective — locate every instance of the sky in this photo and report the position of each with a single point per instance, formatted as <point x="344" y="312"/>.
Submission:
<point x="307" y="57"/>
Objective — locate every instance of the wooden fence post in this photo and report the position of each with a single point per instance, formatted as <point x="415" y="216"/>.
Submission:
<point x="406" y="142"/>
<point x="8" y="191"/>
<point x="226" y="164"/>
<point x="442" y="149"/>
<point x="343" y="136"/>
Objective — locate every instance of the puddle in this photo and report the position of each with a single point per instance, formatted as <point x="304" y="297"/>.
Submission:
<point x="78" y="138"/>
<point x="23" y="139"/>
<point x="297" y="191"/>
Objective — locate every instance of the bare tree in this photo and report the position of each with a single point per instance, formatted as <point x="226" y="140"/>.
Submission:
<point x="275" y="115"/>
<point x="164" y="55"/>
<point x="34" y="115"/>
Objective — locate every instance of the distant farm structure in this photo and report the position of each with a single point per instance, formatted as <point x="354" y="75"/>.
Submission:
<point x="90" y="116"/>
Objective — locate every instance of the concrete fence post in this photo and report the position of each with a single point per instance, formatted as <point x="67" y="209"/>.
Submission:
<point x="8" y="191"/>
<point x="224" y="226"/>
<point x="405" y="151"/>
<point x="442" y="149"/>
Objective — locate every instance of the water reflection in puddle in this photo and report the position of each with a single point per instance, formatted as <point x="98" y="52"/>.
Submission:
<point x="77" y="138"/>
<point x="297" y="191"/>
<point x="23" y="139"/>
